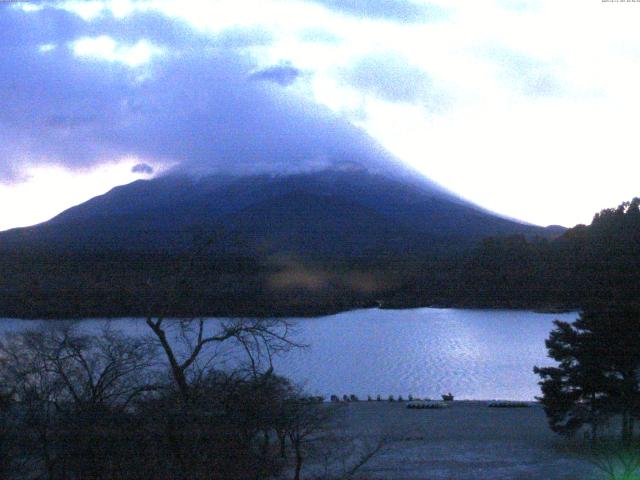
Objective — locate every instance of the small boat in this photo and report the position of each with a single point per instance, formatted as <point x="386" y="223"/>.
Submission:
<point x="447" y="397"/>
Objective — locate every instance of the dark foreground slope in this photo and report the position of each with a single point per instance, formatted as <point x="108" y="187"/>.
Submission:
<point x="257" y="245"/>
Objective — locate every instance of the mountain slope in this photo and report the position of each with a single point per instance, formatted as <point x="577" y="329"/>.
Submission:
<point x="330" y="212"/>
<point x="225" y="245"/>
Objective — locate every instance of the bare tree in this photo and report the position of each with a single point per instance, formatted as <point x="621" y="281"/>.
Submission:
<point x="7" y="441"/>
<point x="370" y="450"/>
<point x="301" y="420"/>
<point x="260" y="339"/>
<point x="68" y="386"/>
<point x="339" y="456"/>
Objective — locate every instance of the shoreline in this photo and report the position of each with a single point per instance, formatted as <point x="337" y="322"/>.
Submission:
<point x="463" y="401"/>
<point x="466" y="441"/>
<point x="302" y="315"/>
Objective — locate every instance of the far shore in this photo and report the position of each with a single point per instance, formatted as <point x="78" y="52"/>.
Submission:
<point x="302" y="314"/>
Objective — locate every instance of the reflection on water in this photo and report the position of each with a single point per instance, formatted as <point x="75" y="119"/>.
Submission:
<point x="479" y="354"/>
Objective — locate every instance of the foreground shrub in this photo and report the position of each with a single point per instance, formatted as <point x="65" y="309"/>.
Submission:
<point x="76" y="406"/>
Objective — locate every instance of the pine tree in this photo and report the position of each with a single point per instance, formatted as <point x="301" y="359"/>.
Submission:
<point x="598" y="359"/>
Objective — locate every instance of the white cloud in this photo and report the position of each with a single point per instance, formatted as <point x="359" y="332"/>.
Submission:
<point x="87" y="9"/>
<point x="93" y="9"/>
<point x="542" y="95"/>
<point x="46" y="47"/>
<point x="542" y="129"/>
<point x="106" y="48"/>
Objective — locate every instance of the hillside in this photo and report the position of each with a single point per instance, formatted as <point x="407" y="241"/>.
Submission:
<point x="333" y="212"/>
<point x="586" y="264"/>
<point x="259" y="245"/>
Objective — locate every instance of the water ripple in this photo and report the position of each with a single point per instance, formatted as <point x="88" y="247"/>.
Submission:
<point x="480" y="354"/>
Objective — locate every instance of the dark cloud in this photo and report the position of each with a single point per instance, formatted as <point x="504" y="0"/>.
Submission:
<point x="194" y="105"/>
<point x="396" y="10"/>
<point x="149" y="25"/>
<point x="283" y="75"/>
<point x="10" y="171"/>
<point x="19" y="29"/>
<point x="391" y="77"/>
<point x="142" y="168"/>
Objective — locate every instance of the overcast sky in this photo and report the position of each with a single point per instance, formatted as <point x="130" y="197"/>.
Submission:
<point x="528" y="108"/>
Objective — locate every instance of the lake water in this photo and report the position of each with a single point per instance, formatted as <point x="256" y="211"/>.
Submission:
<point x="474" y="354"/>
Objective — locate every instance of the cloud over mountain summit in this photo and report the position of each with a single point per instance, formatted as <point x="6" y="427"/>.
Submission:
<point x="151" y="88"/>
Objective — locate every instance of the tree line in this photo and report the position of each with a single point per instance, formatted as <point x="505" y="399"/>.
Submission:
<point x="584" y="264"/>
<point x="595" y="383"/>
